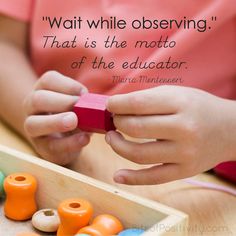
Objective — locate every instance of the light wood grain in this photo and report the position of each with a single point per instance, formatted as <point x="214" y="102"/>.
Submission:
<point x="211" y="212"/>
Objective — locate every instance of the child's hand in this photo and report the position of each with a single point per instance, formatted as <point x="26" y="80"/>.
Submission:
<point x="49" y="121"/>
<point x="192" y="130"/>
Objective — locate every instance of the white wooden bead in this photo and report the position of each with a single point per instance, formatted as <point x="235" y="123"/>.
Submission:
<point x="46" y="220"/>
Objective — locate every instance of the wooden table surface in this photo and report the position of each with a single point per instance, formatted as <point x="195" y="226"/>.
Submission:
<point x="210" y="212"/>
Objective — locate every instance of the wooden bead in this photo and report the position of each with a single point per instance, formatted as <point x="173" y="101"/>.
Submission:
<point x="2" y="177"/>
<point x="74" y="214"/>
<point x="20" y="191"/>
<point x="103" y="225"/>
<point x="131" y="232"/>
<point x="46" y="220"/>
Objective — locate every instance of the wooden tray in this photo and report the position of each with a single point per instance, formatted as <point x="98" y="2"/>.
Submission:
<point x="56" y="183"/>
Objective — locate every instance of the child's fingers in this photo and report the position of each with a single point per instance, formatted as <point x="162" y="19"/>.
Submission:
<point x="41" y="125"/>
<point x="146" y="102"/>
<point x="62" y="150"/>
<point x="57" y="82"/>
<point x="43" y="101"/>
<point x="149" y="127"/>
<point x="149" y="176"/>
<point x="142" y="153"/>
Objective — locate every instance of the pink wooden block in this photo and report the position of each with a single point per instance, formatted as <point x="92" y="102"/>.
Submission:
<point x="92" y="113"/>
<point x="227" y="170"/>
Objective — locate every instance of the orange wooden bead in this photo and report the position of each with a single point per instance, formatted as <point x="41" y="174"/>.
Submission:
<point x="103" y="225"/>
<point x="74" y="215"/>
<point x="20" y="191"/>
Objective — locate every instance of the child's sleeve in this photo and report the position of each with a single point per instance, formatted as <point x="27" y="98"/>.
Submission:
<point x="17" y="9"/>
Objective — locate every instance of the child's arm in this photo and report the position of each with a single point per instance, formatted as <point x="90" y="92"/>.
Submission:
<point x="38" y="109"/>
<point x="16" y="76"/>
<point x="195" y="131"/>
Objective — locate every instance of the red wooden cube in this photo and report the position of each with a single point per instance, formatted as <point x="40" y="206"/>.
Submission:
<point x="92" y="113"/>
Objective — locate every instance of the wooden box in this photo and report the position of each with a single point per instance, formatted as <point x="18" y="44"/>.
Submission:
<point x="57" y="183"/>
